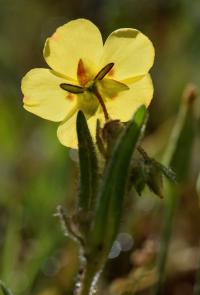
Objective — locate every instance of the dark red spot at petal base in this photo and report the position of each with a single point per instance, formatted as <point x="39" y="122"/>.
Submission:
<point x="113" y="96"/>
<point x="69" y="96"/>
<point x="111" y="73"/>
<point x="82" y="74"/>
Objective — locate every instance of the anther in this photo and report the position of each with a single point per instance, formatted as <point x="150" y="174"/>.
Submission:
<point x="104" y="71"/>
<point x="72" y="88"/>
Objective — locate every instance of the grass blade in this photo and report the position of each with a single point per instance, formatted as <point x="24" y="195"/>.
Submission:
<point x="177" y="155"/>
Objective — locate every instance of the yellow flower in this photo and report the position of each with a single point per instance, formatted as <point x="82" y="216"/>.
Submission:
<point x="105" y="81"/>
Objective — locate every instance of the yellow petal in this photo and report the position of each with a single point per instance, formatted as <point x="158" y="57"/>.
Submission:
<point x="126" y="103"/>
<point x="44" y="97"/>
<point x="78" y="39"/>
<point x="67" y="130"/>
<point x="131" y="52"/>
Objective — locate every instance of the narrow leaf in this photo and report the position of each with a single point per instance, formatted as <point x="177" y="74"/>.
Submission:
<point x="88" y="165"/>
<point x="179" y="150"/>
<point x="110" y="201"/>
<point x="183" y="152"/>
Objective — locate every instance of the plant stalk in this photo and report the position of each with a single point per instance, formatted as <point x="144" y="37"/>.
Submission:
<point x="88" y="280"/>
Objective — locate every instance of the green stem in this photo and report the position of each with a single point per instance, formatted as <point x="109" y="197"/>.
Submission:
<point x="88" y="281"/>
<point x="171" y="201"/>
<point x="169" y="214"/>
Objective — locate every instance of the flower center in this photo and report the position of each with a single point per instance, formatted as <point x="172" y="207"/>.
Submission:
<point x="88" y="85"/>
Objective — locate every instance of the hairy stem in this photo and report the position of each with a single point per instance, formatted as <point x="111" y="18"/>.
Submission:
<point x="88" y="279"/>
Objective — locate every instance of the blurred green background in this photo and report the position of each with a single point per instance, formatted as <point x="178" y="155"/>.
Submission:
<point x="37" y="173"/>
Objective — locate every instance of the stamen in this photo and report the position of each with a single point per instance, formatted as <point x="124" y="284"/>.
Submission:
<point x="101" y="74"/>
<point x="72" y="88"/>
<point x="100" y="99"/>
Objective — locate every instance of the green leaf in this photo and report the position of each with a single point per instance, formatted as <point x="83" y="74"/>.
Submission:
<point x="179" y="150"/>
<point x="72" y="88"/>
<point x="5" y="290"/>
<point x="112" y="191"/>
<point x="183" y="152"/>
<point x="88" y="165"/>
